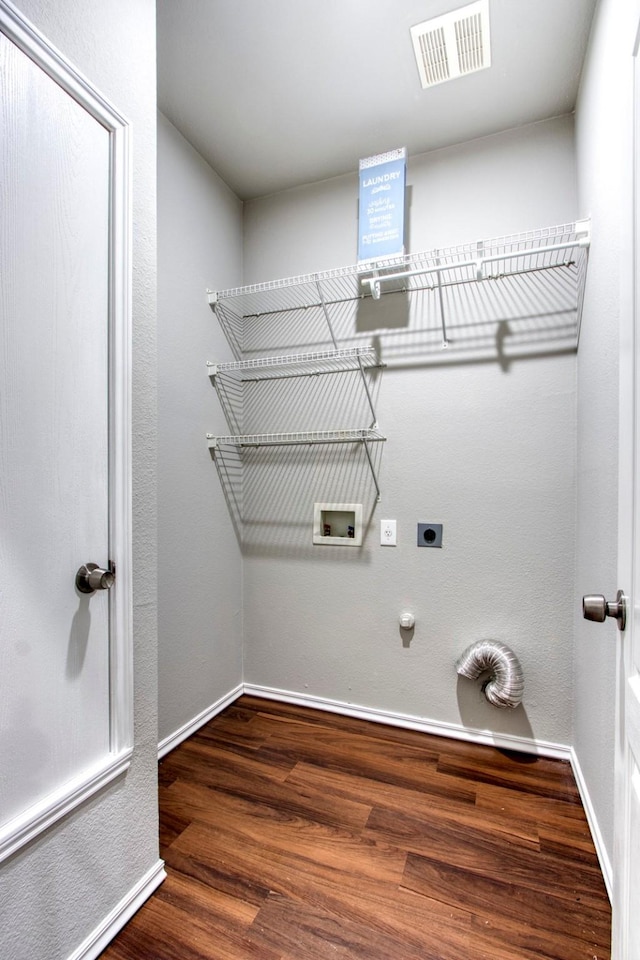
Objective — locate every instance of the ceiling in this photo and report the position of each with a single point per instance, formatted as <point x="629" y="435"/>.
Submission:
<point x="278" y="93"/>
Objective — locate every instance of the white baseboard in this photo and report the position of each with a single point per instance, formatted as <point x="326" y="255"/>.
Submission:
<point x="98" y="940"/>
<point x="503" y="741"/>
<point x="172" y="741"/>
<point x="598" y="842"/>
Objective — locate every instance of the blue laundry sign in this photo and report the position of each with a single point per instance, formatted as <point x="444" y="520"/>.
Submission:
<point x="381" y="216"/>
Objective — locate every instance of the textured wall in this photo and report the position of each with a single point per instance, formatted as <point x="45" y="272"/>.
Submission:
<point x="604" y="125"/>
<point x="479" y="441"/>
<point x="59" y="888"/>
<point x="477" y="189"/>
<point x="199" y="565"/>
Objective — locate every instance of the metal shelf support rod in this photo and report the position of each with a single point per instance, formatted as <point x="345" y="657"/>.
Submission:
<point x="326" y="314"/>
<point x="368" y="393"/>
<point x="373" y="472"/>
<point x="445" y="339"/>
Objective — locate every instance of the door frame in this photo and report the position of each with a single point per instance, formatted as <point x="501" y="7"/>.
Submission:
<point x="625" y="868"/>
<point x="71" y="793"/>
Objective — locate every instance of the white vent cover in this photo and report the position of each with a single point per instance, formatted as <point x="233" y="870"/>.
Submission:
<point x="454" y="44"/>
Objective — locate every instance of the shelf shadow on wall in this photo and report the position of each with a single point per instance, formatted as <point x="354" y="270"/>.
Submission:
<point x="503" y="318"/>
<point x="291" y="403"/>
<point x="393" y="312"/>
<point x="270" y="492"/>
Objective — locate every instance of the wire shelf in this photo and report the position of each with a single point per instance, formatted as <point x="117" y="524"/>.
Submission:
<point x="534" y="250"/>
<point x="357" y="435"/>
<point x="298" y="364"/>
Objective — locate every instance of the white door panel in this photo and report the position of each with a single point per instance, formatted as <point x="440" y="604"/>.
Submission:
<point x="626" y="892"/>
<point x="64" y="656"/>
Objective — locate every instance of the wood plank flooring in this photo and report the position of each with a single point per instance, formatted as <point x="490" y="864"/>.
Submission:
<point x="294" y="834"/>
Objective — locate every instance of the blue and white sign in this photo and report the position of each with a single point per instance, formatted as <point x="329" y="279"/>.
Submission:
<point x="381" y="216"/>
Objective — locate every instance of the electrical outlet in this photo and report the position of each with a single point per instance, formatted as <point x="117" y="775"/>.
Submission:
<point x="388" y="533"/>
<point x="429" y="534"/>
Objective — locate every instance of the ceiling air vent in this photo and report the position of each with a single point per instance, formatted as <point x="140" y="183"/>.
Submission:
<point x="453" y="45"/>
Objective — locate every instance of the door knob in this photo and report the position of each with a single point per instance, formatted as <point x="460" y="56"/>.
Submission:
<point x="595" y="607"/>
<point x="90" y="577"/>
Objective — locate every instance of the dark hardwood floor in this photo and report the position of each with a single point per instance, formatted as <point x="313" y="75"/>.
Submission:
<point x="294" y="834"/>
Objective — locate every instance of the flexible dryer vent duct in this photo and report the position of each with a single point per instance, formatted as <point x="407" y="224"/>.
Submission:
<point x="505" y="686"/>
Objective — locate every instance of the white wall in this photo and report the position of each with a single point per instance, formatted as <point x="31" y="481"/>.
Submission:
<point x="603" y="136"/>
<point x="199" y="571"/>
<point x="480" y="443"/>
<point x="476" y="189"/>
<point x="58" y="889"/>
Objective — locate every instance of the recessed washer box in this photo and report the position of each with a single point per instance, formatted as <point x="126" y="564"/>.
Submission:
<point x="429" y="534"/>
<point x="337" y="524"/>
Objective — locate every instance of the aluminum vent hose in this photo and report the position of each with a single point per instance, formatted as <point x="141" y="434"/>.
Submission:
<point x="505" y="685"/>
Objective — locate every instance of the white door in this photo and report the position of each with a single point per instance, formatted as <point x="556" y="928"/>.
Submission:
<point x="626" y="893"/>
<point x="64" y="660"/>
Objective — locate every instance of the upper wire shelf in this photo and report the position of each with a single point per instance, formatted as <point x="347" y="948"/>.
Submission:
<point x="534" y="250"/>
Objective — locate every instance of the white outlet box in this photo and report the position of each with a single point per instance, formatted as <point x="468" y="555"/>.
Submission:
<point x="388" y="533"/>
